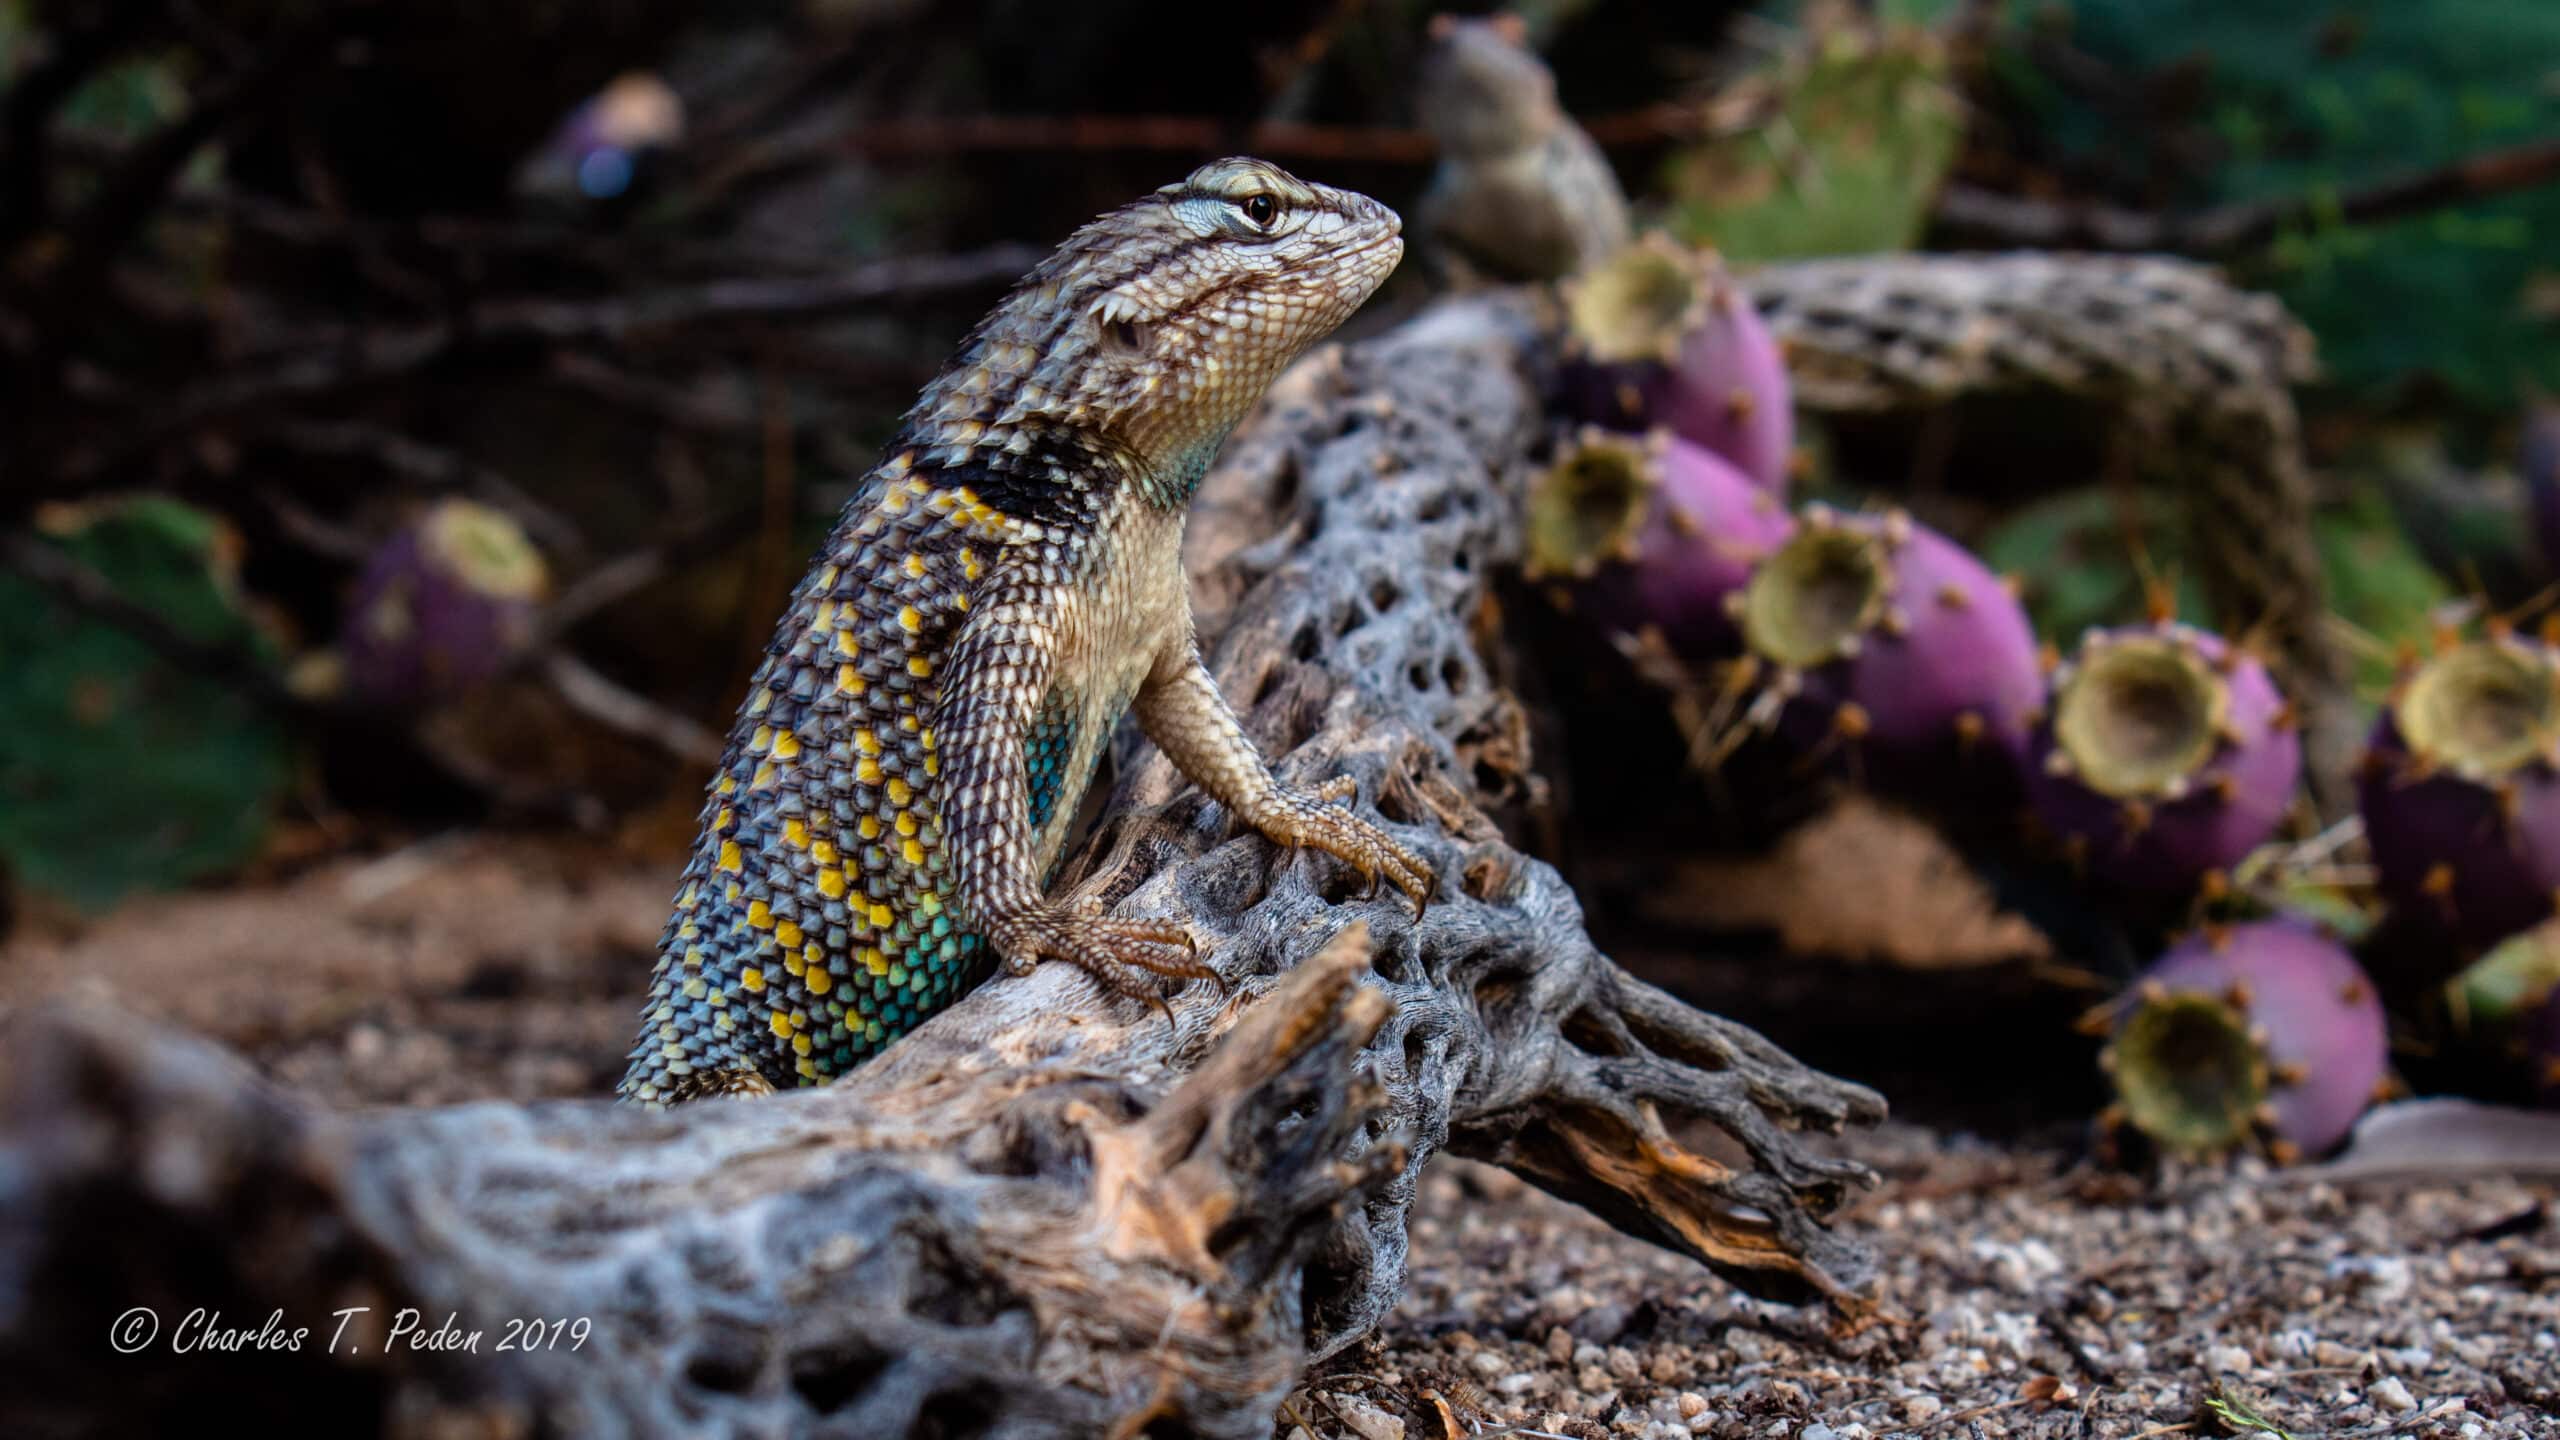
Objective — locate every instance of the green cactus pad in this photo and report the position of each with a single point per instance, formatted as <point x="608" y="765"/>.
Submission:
<point x="1865" y="132"/>
<point x="118" y="771"/>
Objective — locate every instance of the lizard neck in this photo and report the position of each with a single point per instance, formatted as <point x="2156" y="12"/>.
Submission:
<point x="1058" y="473"/>
<point x="1170" y="484"/>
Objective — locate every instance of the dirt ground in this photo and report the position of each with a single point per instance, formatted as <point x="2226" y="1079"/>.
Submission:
<point x="2027" y="1293"/>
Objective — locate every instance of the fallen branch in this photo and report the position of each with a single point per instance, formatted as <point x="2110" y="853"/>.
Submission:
<point x="363" y="359"/>
<point x="1046" y="1212"/>
<point x="1987" y="217"/>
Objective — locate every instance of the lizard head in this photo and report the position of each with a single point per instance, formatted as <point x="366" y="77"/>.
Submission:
<point x="1160" y="324"/>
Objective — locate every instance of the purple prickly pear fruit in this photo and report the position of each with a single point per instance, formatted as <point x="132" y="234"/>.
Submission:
<point x="1892" y="636"/>
<point x="2265" y="1030"/>
<point x="2168" y="755"/>
<point x="2460" y="796"/>
<point x="1651" y="530"/>
<point x="1659" y="335"/>
<point x="443" y="604"/>
<point x="605" y="142"/>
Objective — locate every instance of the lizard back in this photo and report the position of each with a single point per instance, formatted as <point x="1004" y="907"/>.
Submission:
<point x="1036" y="489"/>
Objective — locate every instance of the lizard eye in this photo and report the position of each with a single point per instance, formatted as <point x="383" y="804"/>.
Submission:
<point x="1260" y="209"/>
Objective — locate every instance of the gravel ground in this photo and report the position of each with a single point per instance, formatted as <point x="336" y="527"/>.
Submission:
<point x="2023" y="1299"/>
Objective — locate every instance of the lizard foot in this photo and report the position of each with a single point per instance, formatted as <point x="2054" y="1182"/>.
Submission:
<point x="1122" y="956"/>
<point x="1316" y="818"/>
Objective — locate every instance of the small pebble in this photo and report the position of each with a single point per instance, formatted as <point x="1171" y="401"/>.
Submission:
<point x="2391" y="1395"/>
<point x="1370" y="1422"/>
<point x="1691" y="1404"/>
<point x="1921" y="1409"/>
<point x="1601" y="1323"/>
<point x="2227" y="1360"/>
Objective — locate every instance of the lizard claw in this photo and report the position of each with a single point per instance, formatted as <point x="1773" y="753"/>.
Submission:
<point x="1122" y="956"/>
<point x="1315" y="819"/>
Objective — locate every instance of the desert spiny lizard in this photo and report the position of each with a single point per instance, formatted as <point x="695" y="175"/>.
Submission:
<point x="904" y="772"/>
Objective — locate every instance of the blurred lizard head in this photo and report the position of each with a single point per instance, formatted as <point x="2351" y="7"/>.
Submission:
<point x="1158" y="325"/>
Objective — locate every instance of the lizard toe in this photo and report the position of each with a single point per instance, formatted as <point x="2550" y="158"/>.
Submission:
<point x="1125" y="957"/>
<point x="1317" y="823"/>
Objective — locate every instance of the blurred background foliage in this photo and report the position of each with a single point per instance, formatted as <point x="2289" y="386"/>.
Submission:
<point x="2185" y="103"/>
<point x="296" y="274"/>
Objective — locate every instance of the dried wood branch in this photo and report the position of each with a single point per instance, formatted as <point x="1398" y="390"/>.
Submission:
<point x="1046" y="1212"/>
<point x="1984" y="216"/>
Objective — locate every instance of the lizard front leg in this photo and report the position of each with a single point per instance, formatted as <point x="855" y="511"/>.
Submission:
<point x="1001" y="665"/>
<point x="1184" y="713"/>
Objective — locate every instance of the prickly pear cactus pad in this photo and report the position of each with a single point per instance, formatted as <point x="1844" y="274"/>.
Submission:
<point x="1868" y="128"/>
<point x="93" y="723"/>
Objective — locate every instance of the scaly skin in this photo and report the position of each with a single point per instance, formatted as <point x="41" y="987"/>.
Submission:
<point x="1002" y="587"/>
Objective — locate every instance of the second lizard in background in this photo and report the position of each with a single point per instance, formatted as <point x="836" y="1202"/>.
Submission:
<point x="1521" y="193"/>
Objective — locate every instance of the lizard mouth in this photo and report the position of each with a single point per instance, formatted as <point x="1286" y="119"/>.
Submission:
<point x="1370" y="261"/>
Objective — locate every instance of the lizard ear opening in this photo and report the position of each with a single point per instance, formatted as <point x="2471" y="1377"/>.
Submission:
<point x="1127" y="337"/>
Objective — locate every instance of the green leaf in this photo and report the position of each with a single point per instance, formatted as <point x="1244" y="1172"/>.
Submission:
<point x="2377" y="580"/>
<point x="2239" y="1417"/>
<point x="2330" y="100"/>
<point x="2074" y="556"/>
